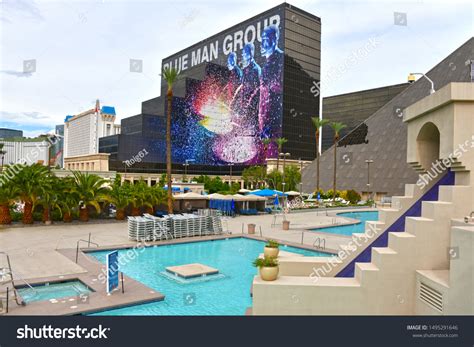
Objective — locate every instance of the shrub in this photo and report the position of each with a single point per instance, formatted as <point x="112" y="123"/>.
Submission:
<point x="353" y="197"/>
<point x="272" y="244"/>
<point x="265" y="262"/>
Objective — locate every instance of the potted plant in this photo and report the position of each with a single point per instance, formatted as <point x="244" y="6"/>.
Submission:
<point x="271" y="249"/>
<point x="268" y="268"/>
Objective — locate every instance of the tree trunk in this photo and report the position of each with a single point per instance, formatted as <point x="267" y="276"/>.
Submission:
<point x="149" y="210"/>
<point x="168" y="153"/>
<point x="46" y="215"/>
<point x="135" y="211"/>
<point x="317" y="161"/>
<point x="84" y="214"/>
<point x="278" y="160"/>
<point x="28" y="213"/>
<point x="335" y="164"/>
<point x="67" y="217"/>
<point x="120" y="215"/>
<point x="5" y="216"/>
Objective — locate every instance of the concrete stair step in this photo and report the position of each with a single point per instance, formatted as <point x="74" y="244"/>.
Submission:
<point x="401" y="241"/>
<point x="435" y="209"/>
<point x="381" y="256"/>
<point x="414" y="225"/>
<point x="449" y="193"/>
<point x="410" y="190"/>
<point x="365" y="272"/>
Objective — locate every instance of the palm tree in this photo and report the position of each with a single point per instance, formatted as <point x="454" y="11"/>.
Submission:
<point x="31" y="183"/>
<point x="49" y="198"/>
<point x="266" y="143"/>
<point x="8" y="195"/>
<point x="68" y="198"/>
<point x="171" y="76"/>
<point x="318" y="124"/>
<point x="337" y="127"/>
<point x="280" y="142"/>
<point x="91" y="190"/>
<point x="120" y="195"/>
<point x="140" y="197"/>
<point x="292" y="177"/>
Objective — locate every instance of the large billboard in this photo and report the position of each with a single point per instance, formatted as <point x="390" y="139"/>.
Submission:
<point x="237" y="100"/>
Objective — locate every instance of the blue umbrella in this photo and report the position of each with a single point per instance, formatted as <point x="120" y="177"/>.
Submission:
<point x="276" y="202"/>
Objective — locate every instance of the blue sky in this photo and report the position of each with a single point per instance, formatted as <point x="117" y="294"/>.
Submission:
<point x="82" y="48"/>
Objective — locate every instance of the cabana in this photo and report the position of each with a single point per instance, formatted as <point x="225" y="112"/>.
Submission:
<point x="189" y="201"/>
<point x="292" y="194"/>
<point x="252" y="204"/>
<point x="224" y="203"/>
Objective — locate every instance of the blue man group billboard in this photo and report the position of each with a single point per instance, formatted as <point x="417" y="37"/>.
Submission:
<point x="237" y="100"/>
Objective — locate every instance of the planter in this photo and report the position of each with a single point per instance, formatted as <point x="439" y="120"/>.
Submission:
<point x="67" y="217"/>
<point x="286" y="225"/>
<point x="135" y="211"/>
<point x="270" y="252"/>
<point x="120" y="214"/>
<point x="251" y="228"/>
<point x="83" y="215"/>
<point x="269" y="273"/>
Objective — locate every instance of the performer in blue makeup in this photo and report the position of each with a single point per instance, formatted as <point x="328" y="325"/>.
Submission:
<point x="250" y="92"/>
<point x="271" y="91"/>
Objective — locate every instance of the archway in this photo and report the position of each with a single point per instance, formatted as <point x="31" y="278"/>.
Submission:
<point x="427" y="144"/>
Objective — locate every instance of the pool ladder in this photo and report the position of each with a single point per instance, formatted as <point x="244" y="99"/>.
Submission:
<point x="6" y="276"/>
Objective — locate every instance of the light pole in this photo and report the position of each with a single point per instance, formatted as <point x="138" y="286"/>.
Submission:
<point x="284" y="155"/>
<point x="186" y="164"/>
<point x="230" y="174"/>
<point x="301" y="173"/>
<point x="368" y="161"/>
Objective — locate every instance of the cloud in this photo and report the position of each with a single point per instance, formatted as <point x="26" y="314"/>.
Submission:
<point x="17" y="73"/>
<point x="20" y="8"/>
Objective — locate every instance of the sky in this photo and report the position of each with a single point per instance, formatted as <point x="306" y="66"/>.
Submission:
<point x="82" y="49"/>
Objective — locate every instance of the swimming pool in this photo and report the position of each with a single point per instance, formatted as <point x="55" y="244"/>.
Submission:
<point x="51" y="291"/>
<point x="225" y="294"/>
<point x="348" y="230"/>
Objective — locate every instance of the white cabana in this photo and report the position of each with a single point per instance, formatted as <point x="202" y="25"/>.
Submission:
<point x="190" y="196"/>
<point x="293" y="193"/>
<point x="243" y="191"/>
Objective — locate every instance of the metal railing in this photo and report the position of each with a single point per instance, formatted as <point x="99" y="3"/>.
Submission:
<point x="89" y="242"/>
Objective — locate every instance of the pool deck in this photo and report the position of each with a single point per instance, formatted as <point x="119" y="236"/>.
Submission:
<point x="43" y="254"/>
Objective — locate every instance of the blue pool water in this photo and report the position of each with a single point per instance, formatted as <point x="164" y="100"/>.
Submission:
<point x="53" y="291"/>
<point x="225" y="294"/>
<point x="348" y="230"/>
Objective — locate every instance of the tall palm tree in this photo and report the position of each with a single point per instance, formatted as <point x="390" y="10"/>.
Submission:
<point x="266" y="143"/>
<point x="171" y="76"/>
<point x="91" y="190"/>
<point x="336" y="127"/>
<point x="31" y="183"/>
<point x="8" y="195"/>
<point x="280" y="142"/>
<point x="318" y="124"/>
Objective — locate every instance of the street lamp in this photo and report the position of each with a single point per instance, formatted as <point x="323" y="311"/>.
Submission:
<point x="301" y="175"/>
<point x="368" y="161"/>
<point x="230" y="173"/>
<point x="186" y="164"/>
<point x="284" y="155"/>
<point x="411" y="79"/>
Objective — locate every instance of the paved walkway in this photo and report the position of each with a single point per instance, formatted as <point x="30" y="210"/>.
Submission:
<point x="33" y="249"/>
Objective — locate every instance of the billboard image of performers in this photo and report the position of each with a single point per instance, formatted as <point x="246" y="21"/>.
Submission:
<point x="224" y="117"/>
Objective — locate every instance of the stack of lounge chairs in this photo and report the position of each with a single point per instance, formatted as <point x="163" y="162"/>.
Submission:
<point x="151" y="228"/>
